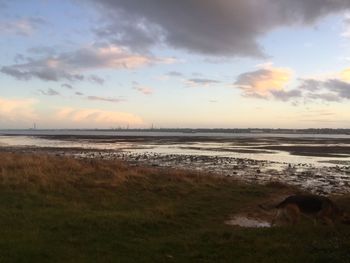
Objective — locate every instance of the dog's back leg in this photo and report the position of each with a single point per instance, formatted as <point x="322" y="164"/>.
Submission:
<point x="292" y="213"/>
<point x="276" y="217"/>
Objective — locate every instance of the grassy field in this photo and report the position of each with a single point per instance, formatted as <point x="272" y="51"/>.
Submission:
<point x="55" y="209"/>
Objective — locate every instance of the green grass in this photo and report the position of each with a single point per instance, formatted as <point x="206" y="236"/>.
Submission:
<point x="64" y="210"/>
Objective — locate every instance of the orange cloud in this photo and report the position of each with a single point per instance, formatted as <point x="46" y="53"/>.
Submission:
<point x="345" y="75"/>
<point x="264" y="81"/>
<point x="88" y="117"/>
<point x="17" y="110"/>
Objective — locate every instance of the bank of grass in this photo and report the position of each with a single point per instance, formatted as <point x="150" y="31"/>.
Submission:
<point x="55" y="209"/>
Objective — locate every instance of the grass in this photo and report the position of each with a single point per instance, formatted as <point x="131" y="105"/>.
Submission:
<point x="55" y="209"/>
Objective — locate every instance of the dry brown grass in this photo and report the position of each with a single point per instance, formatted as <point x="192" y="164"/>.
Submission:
<point x="51" y="171"/>
<point x="48" y="171"/>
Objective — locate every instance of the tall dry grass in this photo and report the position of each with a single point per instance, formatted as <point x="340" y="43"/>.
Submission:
<point x="51" y="171"/>
<point x="48" y="171"/>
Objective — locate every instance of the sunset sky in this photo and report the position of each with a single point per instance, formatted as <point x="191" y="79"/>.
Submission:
<point x="175" y="63"/>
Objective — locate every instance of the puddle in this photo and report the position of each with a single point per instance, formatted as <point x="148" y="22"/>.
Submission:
<point x="243" y="221"/>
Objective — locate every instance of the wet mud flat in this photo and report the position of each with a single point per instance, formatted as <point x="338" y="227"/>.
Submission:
<point x="319" y="165"/>
<point x="320" y="147"/>
<point x="323" y="180"/>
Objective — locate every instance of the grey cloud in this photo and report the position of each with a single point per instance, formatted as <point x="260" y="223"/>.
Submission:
<point x="69" y="65"/>
<point x="340" y="87"/>
<point x="309" y="84"/>
<point x="49" y="92"/>
<point x="221" y="27"/>
<point x="79" y="93"/>
<point x="326" y="90"/>
<point x="330" y="90"/>
<point x="39" y="69"/>
<point x="105" y="99"/>
<point x="286" y="95"/>
<point x="19" y="58"/>
<point x="137" y="36"/>
<point x="202" y="82"/>
<point x="248" y="78"/>
<point x="174" y="74"/>
<point x="323" y="96"/>
<point x="96" y="79"/>
<point x="68" y="86"/>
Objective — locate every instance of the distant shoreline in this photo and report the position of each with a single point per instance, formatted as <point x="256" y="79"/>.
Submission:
<point x="192" y="130"/>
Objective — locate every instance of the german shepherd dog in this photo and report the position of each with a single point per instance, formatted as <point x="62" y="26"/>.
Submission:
<point x="317" y="207"/>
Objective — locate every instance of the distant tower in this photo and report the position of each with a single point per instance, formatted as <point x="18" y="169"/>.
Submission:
<point x="34" y="126"/>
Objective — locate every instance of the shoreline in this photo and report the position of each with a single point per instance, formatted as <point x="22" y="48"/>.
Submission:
<point x="321" y="166"/>
<point x="318" y="180"/>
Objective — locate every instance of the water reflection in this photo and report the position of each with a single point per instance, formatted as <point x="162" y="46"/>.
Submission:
<point x="229" y="149"/>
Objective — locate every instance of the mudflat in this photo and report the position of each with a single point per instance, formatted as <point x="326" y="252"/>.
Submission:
<point x="319" y="165"/>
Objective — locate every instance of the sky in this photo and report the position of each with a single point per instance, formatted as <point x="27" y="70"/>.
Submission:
<point x="174" y="64"/>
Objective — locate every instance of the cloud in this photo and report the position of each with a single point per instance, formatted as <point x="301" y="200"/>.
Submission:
<point x="329" y="90"/>
<point x="45" y="70"/>
<point x="266" y="82"/>
<point x="17" y="110"/>
<point x="286" y="95"/>
<point x="68" y="86"/>
<point x="70" y="66"/>
<point x="271" y="83"/>
<point x="144" y="90"/>
<point x="96" y="79"/>
<point x="174" y="74"/>
<point x="345" y="75"/>
<point x="91" y="117"/>
<point x="195" y="82"/>
<point x="22" y="27"/>
<point x="105" y="99"/>
<point x="49" y="92"/>
<point x="219" y="28"/>
<point x="79" y="93"/>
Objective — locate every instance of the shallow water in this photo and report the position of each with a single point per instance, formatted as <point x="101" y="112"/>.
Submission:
<point x="241" y="159"/>
<point x="156" y="133"/>
<point x="219" y="149"/>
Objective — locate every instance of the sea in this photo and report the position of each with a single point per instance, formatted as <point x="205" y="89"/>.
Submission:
<point x="221" y="144"/>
